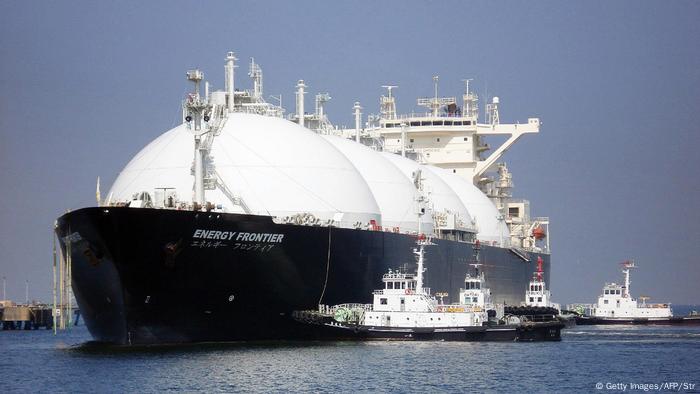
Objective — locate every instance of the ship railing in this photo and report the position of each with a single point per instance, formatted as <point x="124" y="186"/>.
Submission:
<point x="424" y="115"/>
<point x="352" y="306"/>
<point x="654" y="305"/>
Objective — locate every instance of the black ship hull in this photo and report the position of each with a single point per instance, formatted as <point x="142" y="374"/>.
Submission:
<point x="676" y="320"/>
<point x="160" y="276"/>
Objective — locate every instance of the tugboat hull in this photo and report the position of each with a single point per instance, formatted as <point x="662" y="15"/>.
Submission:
<point x="590" y="321"/>
<point x="527" y="332"/>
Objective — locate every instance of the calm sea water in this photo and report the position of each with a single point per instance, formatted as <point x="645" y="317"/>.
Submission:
<point x="38" y="361"/>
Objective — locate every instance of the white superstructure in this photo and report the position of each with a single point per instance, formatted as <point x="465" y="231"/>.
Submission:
<point x="537" y="293"/>
<point x="616" y="302"/>
<point x="405" y="303"/>
<point x="475" y="293"/>
<point x="235" y="152"/>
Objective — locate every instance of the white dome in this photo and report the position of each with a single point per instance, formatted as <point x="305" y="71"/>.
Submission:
<point x="277" y="167"/>
<point x="395" y="194"/>
<point x="480" y="207"/>
<point x="441" y="196"/>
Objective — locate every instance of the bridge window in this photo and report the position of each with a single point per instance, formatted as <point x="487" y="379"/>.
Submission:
<point x="607" y="291"/>
<point x="403" y="285"/>
<point x="539" y="299"/>
<point x="415" y="123"/>
<point x="605" y="301"/>
<point x="532" y="299"/>
<point x="411" y="139"/>
<point x="478" y="285"/>
<point x="383" y="301"/>
<point x="514" y="212"/>
<point x="390" y="285"/>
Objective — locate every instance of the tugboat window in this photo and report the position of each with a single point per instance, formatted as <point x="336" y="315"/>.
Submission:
<point x="532" y="299"/>
<point x="383" y="301"/>
<point x="539" y="299"/>
<point x="605" y="301"/>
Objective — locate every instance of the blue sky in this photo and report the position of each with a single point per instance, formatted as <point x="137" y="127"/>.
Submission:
<point x="85" y="85"/>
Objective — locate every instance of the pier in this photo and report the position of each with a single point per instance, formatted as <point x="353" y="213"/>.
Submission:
<point x="29" y="317"/>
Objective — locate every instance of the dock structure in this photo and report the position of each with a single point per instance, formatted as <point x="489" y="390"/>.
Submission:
<point x="25" y="317"/>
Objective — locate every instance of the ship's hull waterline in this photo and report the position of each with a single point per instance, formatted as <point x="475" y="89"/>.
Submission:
<point x="163" y="276"/>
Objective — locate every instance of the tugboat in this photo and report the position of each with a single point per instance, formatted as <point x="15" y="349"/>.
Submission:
<point x="616" y="306"/>
<point x="405" y="310"/>
<point x="538" y="300"/>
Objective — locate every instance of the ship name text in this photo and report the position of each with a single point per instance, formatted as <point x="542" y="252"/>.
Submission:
<point x="238" y="236"/>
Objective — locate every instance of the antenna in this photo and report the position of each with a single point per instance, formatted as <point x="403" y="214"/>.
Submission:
<point x="389" y="88"/>
<point x="626" y="267"/>
<point x="388" y="103"/>
<point x="466" y="84"/>
<point x="321" y="100"/>
<point x="434" y="103"/>
<point x="256" y="74"/>
<point x="539" y="268"/>
<point x="435" y="82"/>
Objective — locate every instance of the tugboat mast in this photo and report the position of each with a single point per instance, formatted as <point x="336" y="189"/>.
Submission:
<point x="626" y="267"/>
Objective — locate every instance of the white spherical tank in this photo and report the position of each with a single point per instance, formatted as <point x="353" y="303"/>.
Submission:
<point x="491" y="228"/>
<point x="274" y="166"/>
<point x="395" y="193"/>
<point x="441" y="197"/>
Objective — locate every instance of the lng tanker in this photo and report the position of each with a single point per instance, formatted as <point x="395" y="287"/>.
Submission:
<point x="224" y="226"/>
